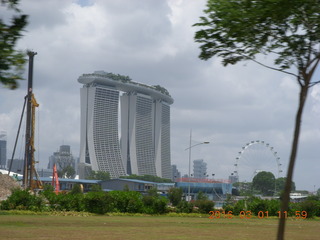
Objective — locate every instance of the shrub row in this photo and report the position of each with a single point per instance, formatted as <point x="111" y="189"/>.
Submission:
<point x="255" y="205"/>
<point x="94" y="202"/>
<point x="100" y="202"/>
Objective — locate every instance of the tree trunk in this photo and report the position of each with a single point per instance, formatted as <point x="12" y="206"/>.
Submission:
<point x="294" y="148"/>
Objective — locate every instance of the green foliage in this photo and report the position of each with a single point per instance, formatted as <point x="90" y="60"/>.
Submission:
<point x="202" y="196"/>
<point x="281" y="182"/>
<point x="312" y="207"/>
<point x="154" y="203"/>
<point x="286" y="30"/>
<point x="116" y="77"/>
<point x="239" y="30"/>
<point x="149" y="178"/>
<point x="204" y="206"/>
<point x="23" y="200"/>
<point x="49" y="194"/>
<point x="12" y="61"/>
<point x="96" y="188"/>
<point x="77" y="189"/>
<point x="264" y="182"/>
<point x="185" y="207"/>
<point x="99" y="175"/>
<point x="175" y="195"/>
<point x="69" y="202"/>
<point x="67" y="172"/>
<point x="153" y="192"/>
<point x="98" y="202"/>
<point x="239" y="206"/>
<point x="244" y="188"/>
<point x="72" y="201"/>
<point x="161" y="89"/>
<point x="254" y="205"/>
<point x="127" y="201"/>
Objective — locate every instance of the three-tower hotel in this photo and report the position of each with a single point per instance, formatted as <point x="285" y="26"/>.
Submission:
<point x="144" y="112"/>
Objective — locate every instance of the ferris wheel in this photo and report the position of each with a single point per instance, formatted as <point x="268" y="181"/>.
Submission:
<point x="254" y="157"/>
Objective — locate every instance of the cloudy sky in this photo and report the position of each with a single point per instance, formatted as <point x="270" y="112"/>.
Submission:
<point x="152" y="42"/>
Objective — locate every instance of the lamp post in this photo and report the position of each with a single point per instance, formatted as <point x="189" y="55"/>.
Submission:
<point x="189" y="148"/>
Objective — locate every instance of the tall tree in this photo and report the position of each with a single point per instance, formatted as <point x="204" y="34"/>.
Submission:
<point x="264" y="182"/>
<point x="281" y="183"/>
<point x="288" y="30"/>
<point x="175" y="196"/>
<point x="12" y="61"/>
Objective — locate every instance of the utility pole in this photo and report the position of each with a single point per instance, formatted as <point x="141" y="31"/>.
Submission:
<point x="29" y="148"/>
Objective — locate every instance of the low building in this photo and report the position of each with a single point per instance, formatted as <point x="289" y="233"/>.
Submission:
<point x="216" y="190"/>
<point x="67" y="184"/>
<point x="130" y="184"/>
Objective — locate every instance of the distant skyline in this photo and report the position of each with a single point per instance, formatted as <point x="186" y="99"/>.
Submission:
<point x="151" y="41"/>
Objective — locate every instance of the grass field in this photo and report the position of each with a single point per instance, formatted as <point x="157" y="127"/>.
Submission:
<point x="42" y="227"/>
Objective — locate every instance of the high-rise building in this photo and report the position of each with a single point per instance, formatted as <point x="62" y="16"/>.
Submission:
<point x="199" y="169"/>
<point x="144" y="124"/>
<point x="16" y="165"/>
<point x="99" y="144"/>
<point x="63" y="158"/>
<point x="162" y="139"/>
<point x="137" y="135"/>
<point x="175" y="172"/>
<point x="3" y="150"/>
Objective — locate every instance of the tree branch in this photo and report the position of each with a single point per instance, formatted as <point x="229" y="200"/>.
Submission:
<point x="313" y="83"/>
<point x="276" y="69"/>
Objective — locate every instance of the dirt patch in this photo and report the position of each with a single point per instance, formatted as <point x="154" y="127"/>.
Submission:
<point x="6" y="184"/>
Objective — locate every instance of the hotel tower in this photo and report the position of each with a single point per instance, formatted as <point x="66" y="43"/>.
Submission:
<point x="144" y="147"/>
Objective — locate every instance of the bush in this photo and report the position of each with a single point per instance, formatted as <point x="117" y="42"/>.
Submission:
<point x="256" y="205"/>
<point x="204" y="206"/>
<point x="273" y="207"/>
<point x="77" y="189"/>
<point x="239" y="206"/>
<point x="312" y="207"/>
<point x="70" y="202"/>
<point x="98" y="202"/>
<point x="175" y="196"/>
<point x="127" y="201"/>
<point x="185" y="207"/>
<point x="23" y="200"/>
<point x="155" y="205"/>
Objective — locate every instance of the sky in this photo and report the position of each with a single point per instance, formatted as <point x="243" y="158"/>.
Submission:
<point x="152" y="42"/>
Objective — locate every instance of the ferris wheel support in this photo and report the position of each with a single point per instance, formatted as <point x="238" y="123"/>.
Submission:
<point x="264" y="145"/>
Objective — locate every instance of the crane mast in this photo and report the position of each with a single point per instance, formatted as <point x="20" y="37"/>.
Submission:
<point x="29" y="172"/>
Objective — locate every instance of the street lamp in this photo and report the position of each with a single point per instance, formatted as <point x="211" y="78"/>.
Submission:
<point x="191" y="146"/>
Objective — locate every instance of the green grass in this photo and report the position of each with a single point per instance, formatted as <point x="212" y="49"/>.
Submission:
<point x="45" y="227"/>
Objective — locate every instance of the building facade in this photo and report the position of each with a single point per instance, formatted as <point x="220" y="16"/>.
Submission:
<point x="99" y="143"/>
<point x="144" y="147"/>
<point x="16" y="165"/>
<point x="162" y="139"/>
<point x="199" y="169"/>
<point x="62" y="158"/>
<point x="3" y="150"/>
<point x="175" y="173"/>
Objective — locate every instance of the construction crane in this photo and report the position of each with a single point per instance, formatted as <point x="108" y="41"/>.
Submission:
<point x="31" y="178"/>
